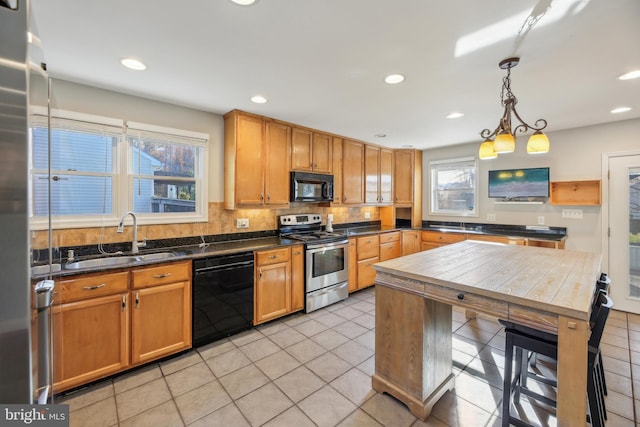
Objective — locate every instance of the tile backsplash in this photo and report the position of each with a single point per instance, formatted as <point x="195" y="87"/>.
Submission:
<point x="221" y="221"/>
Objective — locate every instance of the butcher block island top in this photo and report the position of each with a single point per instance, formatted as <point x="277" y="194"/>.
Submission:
<point x="547" y="289"/>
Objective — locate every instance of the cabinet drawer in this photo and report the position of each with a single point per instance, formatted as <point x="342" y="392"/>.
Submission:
<point x="93" y="285"/>
<point x="390" y="237"/>
<point x="272" y="256"/>
<point x="471" y="301"/>
<point x="437" y="237"/>
<point x="368" y="247"/>
<point x="366" y="272"/>
<point x="161" y="274"/>
<point x="390" y="250"/>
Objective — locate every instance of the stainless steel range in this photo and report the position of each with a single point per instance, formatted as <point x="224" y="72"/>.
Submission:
<point x="326" y="259"/>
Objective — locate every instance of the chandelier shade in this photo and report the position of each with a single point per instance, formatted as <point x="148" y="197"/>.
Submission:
<point x="502" y="138"/>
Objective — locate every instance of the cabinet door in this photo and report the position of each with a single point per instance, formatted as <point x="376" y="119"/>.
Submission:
<point x="410" y="242"/>
<point x="371" y="174"/>
<point x="278" y="137"/>
<point x="385" y="180"/>
<point x="321" y="155"/>
<point x="272" y="291"/>
<point x="161" y="321"/>
<point x="337" y="171"/>
<point x="403" y="176"/>
<point x="353" y="265"/>
<point x="352" y="172"/>
<point x="297" y="278"/>
<point x="301" y="150"/>
<point x="90" y="340"/>
<point x="366" y="272"/>
<point x="249" y="185"/>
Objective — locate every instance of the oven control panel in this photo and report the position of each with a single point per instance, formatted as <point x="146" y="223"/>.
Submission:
<point x="305" y="219"/>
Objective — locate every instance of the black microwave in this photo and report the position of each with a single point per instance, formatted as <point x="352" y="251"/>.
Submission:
<point x="311" y="187"/>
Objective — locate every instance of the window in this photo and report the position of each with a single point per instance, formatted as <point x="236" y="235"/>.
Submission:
<point x="453" y="187"/>
<point x="100" y="168"/>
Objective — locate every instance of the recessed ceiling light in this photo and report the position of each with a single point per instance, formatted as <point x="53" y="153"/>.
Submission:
<point x="454" y="115"/>
<point x="407" y="146"/>
<point x="134" y="64"/>
<point x="620" y="110"/>
<point x="258" y="99"/>
<point x="630" y="75"/>
<point x="380" y="135"/>
<point x="394" y="79"/>
<point x="244" y="2"/>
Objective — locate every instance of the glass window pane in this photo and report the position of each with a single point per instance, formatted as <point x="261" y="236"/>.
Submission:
<point x="161" y="195"/>
<point x="634" y="232"/>
<point x="73" y="195"/>
<point x="161" y="158"/>
<point x="453" y="187"/>
<point x="73" y="151"/>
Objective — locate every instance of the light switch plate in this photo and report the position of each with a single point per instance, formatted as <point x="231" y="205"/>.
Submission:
<point x="540" y="220"/>
<point x="572" y="213"/>
<point x="367" y="215"/>
<point x="242" y="223"/>
<point x="491" y="217"/>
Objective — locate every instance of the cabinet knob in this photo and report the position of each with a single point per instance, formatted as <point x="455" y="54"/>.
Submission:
<point x="91" y="288"/>
<point x="460" y="296"/>
<point x="161" y="276"/>
<point x="345" y="198"/>
<point x="261" y="197"/>
<point x="268" y="197"/>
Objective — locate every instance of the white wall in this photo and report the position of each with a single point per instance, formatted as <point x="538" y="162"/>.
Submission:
<point x="575" y="154"/>
<point x="90" y="100"/>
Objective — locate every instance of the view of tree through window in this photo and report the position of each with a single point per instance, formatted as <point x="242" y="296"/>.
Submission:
<point x="453" y="187"/>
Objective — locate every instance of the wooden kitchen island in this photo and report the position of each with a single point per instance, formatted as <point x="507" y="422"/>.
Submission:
<point x="547" y="289"/>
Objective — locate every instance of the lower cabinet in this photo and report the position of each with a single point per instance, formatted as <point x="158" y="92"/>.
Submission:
<point x="368" y="253"/>
<point x="390" y="245"/>
<point x="90" y="340"/>
<point x="435" y="239"/>
<point x="279" y="283"/>
<point x="106" y="323"/>
<point x="497" y="239"/>
<point x="410" y="242"/>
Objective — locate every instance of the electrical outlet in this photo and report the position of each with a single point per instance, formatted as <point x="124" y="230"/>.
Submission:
<point x="242" y="223"/>
<point x="572" y="213"/>
<point x="540" y="220"/>
<point x="367" y="215"/>
<point x="491" y="217"/>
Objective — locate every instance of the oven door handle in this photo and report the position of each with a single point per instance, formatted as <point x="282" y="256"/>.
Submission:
<point x="324" y="246"/>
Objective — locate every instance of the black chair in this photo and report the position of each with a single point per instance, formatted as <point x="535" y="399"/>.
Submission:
<point x="525" y="339"/>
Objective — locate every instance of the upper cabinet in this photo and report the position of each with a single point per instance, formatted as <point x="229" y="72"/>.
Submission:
<point x="378" y="175"/>
<point x="404" y="170"/>
<point x="311" y="151"/>
<point x="352" y="172"/>
<point x="256" y="154"/>
<point x="337" y="171"/>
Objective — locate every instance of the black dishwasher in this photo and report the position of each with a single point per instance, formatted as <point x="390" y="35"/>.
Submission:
<point x="222" y="296"/>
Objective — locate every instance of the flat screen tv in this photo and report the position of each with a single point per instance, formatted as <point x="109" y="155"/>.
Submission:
<point x="519" y="183"/>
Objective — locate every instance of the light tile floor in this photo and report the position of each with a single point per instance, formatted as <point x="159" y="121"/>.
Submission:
<point x="315" y="370"/>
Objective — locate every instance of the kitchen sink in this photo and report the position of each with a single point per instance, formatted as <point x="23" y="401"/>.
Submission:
<point x="117" y="261"/>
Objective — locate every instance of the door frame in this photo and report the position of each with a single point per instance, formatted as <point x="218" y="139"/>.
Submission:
<point x="605" y="201"/>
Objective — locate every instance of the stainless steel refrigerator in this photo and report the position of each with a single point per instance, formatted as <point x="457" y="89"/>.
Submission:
<point x="25" y="348"/>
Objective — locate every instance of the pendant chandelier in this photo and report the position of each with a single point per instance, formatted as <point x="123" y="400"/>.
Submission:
<point x="502" y="139"/>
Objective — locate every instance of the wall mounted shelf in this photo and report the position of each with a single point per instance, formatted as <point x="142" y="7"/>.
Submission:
<point x="575" y="193"/>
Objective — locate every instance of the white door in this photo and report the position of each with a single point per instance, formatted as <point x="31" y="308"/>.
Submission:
<point x="624" y="232"/>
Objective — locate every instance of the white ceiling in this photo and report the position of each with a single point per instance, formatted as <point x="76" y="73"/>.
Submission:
<point x="321" y="63"/>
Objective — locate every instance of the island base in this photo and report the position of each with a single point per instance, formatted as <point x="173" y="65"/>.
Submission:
<point x="421" y="409"/>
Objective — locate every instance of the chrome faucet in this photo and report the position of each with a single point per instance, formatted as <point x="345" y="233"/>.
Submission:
<point x="134" y="243"/>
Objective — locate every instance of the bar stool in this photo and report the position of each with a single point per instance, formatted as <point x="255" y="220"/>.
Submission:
<point x="528" y="339"/>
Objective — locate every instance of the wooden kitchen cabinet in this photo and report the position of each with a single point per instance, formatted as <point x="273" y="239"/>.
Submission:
<point x="337" y="171"/>
<point x="497" y="239"/>
<point x="297" y="278"/>
<point x="104" y="323"/>
<point x="390" y="245"/>
<point x="368" y="250"/>
<point x="311" y="151"/>
<point x="435" y="239"/>
<point x="378" y="175"/>
<point x="256" y="159"/>
<point x="352" y="172"/>
<point x="161" y="311"/>
<point x="353" y="264"/>
<point x="410" y="242"/>
<point x="272" y="289"/>
<point x="403" y="176"/>
<point x="90" y="329"/>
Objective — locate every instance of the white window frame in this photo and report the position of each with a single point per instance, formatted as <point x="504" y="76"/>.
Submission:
<point x="452" y="164"/>
<point x="122" y="184"/>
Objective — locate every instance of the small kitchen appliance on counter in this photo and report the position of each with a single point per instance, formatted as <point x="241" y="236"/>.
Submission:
<point x="326" y="259"/>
